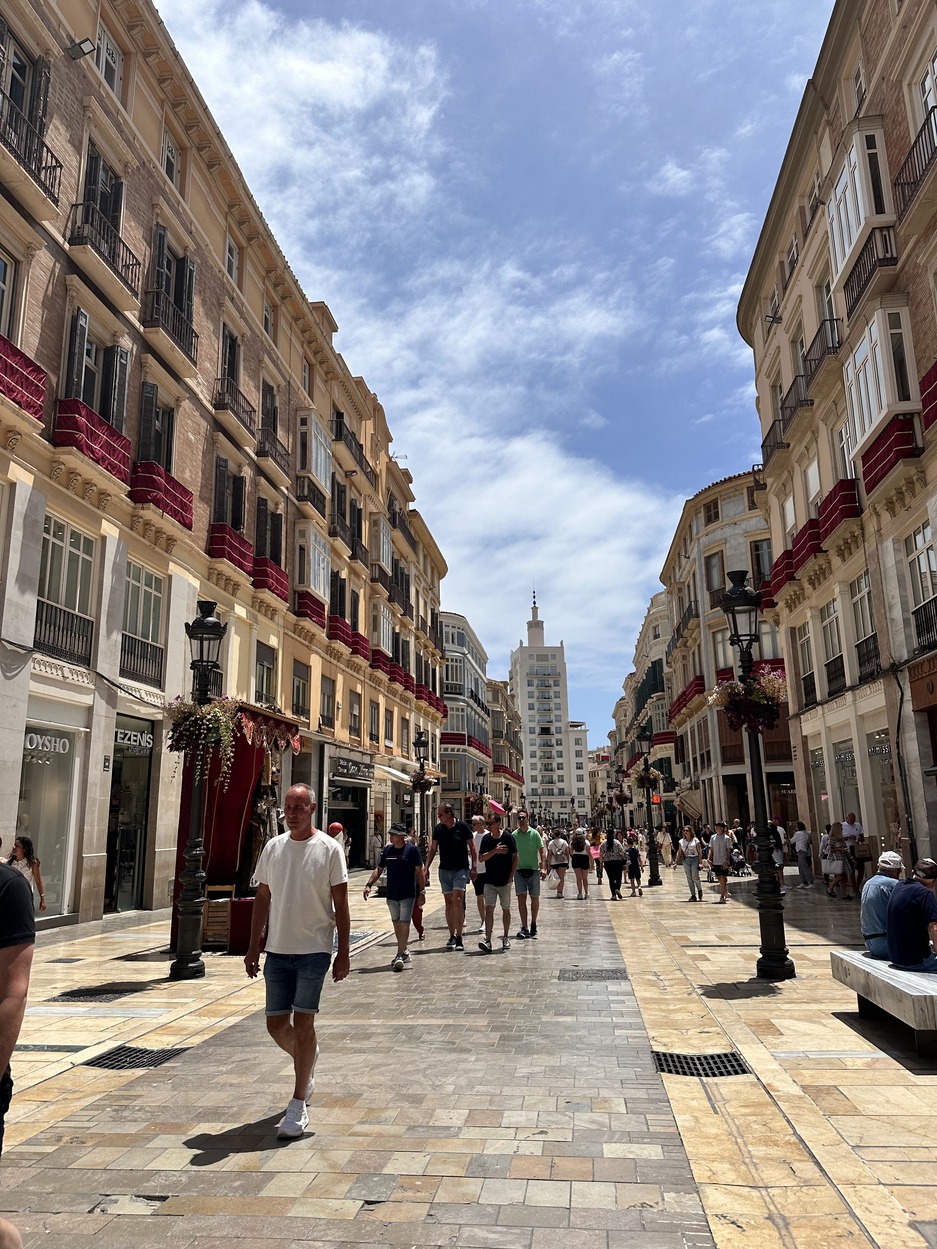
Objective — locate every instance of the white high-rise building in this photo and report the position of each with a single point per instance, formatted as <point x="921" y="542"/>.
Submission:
<point x="556" y="775"/>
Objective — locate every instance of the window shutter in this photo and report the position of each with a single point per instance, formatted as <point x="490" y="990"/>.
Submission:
<point x="187" y="303"/>
<point x="116" y="203"/>
<point x="4" y="36"/>
<point x="77" y="345"/>
<point x="115" y="376"/>
<point x="221" y="491"/>
<point x="261" y="527"/>
<point x="159" y="258"/>
<point x="276" y="538"/>
<point x="238" y="493"/>
<point x="169" y="439"/>
<point x="147" y="441"/>
<point x="92" y="175"/>
<point x="39" y="102"/>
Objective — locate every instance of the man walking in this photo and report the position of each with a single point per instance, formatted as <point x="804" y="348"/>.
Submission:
<point x="498" y="854"/>
<point x="17" y="939"/>
<point x="873" y="906"/>
<point x="719" y="856"/>
<point x="531" y="870"/>
<point x="302" y="897"/>
<point x="453" y="840"/>
<point x="803" y="848"/>
<point x="405" y="883"/>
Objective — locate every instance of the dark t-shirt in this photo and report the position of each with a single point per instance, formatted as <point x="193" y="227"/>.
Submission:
<point x="453" y="845"/>
<point x="911" y="907"/>
<point x="498" y="869"/>
<point x="17" y="914"/>
<point x="634" y="861"/>
<point x="401" y="866"/>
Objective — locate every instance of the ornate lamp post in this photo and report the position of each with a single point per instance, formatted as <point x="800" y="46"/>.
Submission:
<point x="205" y="634"/>
<point x="648" y="781"/>
<point x="620" y="797"/>
<point x="508" y="804"/>
<point x="741" y="605"/>
<point x="422" y="783"/>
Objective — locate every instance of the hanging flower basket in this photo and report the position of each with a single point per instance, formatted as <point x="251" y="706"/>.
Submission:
<point x="422" y="784"/>
<point x="198" y="731"/>
<point x="754" y="704"/>
<point x="645" y="777"/>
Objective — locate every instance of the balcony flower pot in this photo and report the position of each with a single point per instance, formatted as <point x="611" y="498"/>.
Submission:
<point x="754" y="704"/>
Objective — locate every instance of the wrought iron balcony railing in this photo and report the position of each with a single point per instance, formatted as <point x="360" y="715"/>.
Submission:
<point x="63" y="634"/>
<point x="141" y="661"/>
<point x="23" y="141"/>
<point x="160" y="313"/>
<point x="917" y="164"/>
<point x="925" y="625"/>
<point x="826" y="342"/>
<point x="835" y="676"/>
<point x="877" y="253"/>
<point x="89" y="227"/>
<point x="870" y="664"/>
<point x="228" y="396"/>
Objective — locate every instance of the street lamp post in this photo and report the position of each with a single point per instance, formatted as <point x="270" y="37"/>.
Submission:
<point x="421" y="782"/>
<point x="205" y="634"/>
<point x="620" y="798"/>
<point x="741" y="604"/>
<point x="645" y="737"/>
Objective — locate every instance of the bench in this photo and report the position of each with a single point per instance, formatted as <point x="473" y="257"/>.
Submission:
<point x="910" y="996"/>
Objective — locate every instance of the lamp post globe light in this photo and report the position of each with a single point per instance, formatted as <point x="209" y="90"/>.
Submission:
<point x="205" y="634"/>
<point x="645" y="736"/>
<point x="741" y="604"/>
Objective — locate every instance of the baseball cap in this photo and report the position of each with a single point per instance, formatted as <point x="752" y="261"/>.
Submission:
<point x="890" y="859"/>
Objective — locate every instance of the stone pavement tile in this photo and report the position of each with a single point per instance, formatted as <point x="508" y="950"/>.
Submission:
<point x="533" y="1216"/>
<point x="324" y="1208"/>
<point x="226" y="1205"/>
<point x="407" y="1163"/>
<point x="447" y="1164"/>
<point x="491" y="1166"/>
<point x="495" y="1238"/>
<point x="372" y="1187"/>
<point x="643" y="1196"/>
<point x="886" y="1221"/>
<point x="567" y="1238"/>
<point x="325" y="1184"/>
<point x="593" y="1196"/>
<point x="501" y="1192"/>
<point x="416" y="1188"/>
<point x="457" y="1190"/>
<point x="479" y="1215"/>
<point x="548" y="1193"/>
<point x="290" y="1184"/>
<point x="530" y="1167"/>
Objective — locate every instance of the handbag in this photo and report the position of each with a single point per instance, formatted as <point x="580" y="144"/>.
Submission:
<point x="863" y="851"/>
<point x="553" y="879"/>
<point x="830" y="867"/>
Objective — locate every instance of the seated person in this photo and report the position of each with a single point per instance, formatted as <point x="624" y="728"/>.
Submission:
<point x="875" y="894"/>
<point x="911" y="920"/>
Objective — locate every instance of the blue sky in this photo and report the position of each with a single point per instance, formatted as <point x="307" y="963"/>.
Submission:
<point x="531" y="220"/>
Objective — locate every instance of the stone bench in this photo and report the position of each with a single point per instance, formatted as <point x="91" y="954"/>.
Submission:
<point x="910" y="996"/>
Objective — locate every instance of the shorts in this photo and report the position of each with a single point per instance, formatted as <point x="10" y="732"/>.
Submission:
<point x="6" y="1096"/>
<point x="720" y="870"/>
<point x="778" y="857"/>
<point x="529" y="884"/>
<point x="498" y="893"/>
<point x="634" y="873"/>
<point x="582" y="862"/>
<point x="294" y="982"/>
<point x="479" y="883"/>
<point x="454" y="881"/>
<point x="401" y="909"/>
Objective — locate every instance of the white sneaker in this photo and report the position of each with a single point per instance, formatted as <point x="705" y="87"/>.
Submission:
<point x="397" y="963"/>
<point x="505" y="943"/>
<point x="311" y="1086"/>
<point x="294" y="1122"/>
<point x="407" y="957"/>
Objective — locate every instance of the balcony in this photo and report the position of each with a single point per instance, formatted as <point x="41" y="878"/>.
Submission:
<point x="339" y="630"/>
<point x="380" y="661"/>
<point x="141" y="661"/>
<point x="309" y="497"/>
<point x="436" y="638"/>
<point x="63" y="634"/>
<point x="24" y="151"/>
<point x="840" y="505"/>
<point x="773" y="442"/>
<point x="835" y="676"/>
<point x="306" y="604"/>
<point x="399" y="522"/>
<point x="806" y="544"/>
<point x="479" y="703"/>
<point x="380" y="576"/>
<point x="915" y="190"/>
<point x="925" y="625"/>
<point x="77" y="426"/>
<point x="273" y="457"/>
<point x="867" y="658"/>
<point x="151" y="484"/>
<point x="929" y="397"/>
<point x="22" y="381"/>
<point x="301" y="711"/>
<point x="782" y="571"/>
<point x="795" y="399"/>
<point x="268" y="576"/>
<point x="825" y="343"/>
<point x="340" y="528"/>
<point x="226" y="543"/>
<point x="690" y="613"/>
<point x="360" y="552"/>
<point x="342" y="434"/>
<point x="234" y="413"/>
<point x="694" y="690"/>
<point x="808" y="684"/>
<point x="166" y="328"/>
<point x="878" y="257"/>
<point x="361" y="647"/>
<point x="897" y="442"/>
<point x="396" y="673"/>
<point x="100" y="250"/>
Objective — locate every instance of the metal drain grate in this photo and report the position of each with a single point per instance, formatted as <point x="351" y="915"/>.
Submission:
<point x="593" y="973"/>
<point x="108" y="992"/>
<point x="703" y="1066"/>
<point x="128" y="1057"/>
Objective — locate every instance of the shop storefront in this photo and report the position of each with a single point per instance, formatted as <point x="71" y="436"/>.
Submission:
<point x="350" y="781"/>
<point x="884" y="793"/>
<point x="128" y="814"/>
<point x="819" y="789"/>
<point x="847" y="783"/>
<point x="48" y="799"/>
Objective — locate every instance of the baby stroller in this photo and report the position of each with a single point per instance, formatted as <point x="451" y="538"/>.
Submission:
<point x="738" y="865"/>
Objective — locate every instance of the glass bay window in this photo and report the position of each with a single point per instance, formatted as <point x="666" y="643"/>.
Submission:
<point x="878" y="377"/>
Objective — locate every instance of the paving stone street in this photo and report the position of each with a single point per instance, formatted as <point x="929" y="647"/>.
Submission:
<point x="509" y="1101"/>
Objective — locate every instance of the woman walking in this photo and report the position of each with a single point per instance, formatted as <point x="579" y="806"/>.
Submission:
<point x="613" y="862"/>
<point x="634" y="867"/>
<point x="558" y="859"/>
<point x="595" y="849"/>
<point x="24" y="860"/>
<point x="581" y="862"/>
<point x="688" y="853"/>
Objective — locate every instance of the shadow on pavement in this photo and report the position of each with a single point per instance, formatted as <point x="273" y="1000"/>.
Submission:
<point x="808" y="911"/>
<point x="733" y="990"/>
<point x="246" y="1139"/>
<point x="890" y="1036"/>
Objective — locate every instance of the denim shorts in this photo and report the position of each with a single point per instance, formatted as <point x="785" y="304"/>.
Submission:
<point x="401" y="909"/>
<point x="495" y="894"/>
<point x="294" y="982"/>
<point x="454" y="881"/>
<point x="527" y="884"/>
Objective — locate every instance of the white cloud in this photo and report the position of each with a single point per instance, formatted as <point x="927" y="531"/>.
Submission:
<point x="672" y="179"/>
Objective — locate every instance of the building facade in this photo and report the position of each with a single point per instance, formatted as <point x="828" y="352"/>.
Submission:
<point x="176" y="425"/>
<point x="720" y="528"/>
<point x="507" y="749"/>
<point x="839" y="310"/>
<point x="466" y="754"/>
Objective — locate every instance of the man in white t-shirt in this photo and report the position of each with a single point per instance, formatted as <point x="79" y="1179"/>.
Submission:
<point x="302" y="898"/>
<point x="719" y="855"/>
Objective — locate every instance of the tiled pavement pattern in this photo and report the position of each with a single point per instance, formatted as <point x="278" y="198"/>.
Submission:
<point x="470" y="1101"/>
<point x="831" y="1142"/>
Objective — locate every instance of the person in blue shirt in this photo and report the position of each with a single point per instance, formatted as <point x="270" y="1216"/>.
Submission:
<point x="874" y="903"/>
<point x="406" y="882"/>
<point x="911" y="920"/>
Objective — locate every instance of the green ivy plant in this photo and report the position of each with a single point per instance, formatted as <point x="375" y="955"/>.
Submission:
<point x="197" y="731"/>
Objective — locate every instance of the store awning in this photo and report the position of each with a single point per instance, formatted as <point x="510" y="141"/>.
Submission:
<point x="394" y="773"/>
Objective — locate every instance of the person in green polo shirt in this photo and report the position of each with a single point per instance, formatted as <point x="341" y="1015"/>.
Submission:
<point x="531" y="870"/>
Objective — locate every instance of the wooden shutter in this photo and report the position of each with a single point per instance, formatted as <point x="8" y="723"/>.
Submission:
<point x="159" y="258"/>
<point x="77" y="346"/>
<point x="115" y="203"/>
<point x="221" y="491"/>
<point x="92" y="175"/>
<point x="115" y="375"/>
<point x="169" y="439"/>
<point x="187" y="300"/>
<point x="4" y="37"/>
<point x="261" y="530"/>
<point x="39" y="101"/>
<point x="146" y="445"/>
<point x="276" y="538"/>
<point x="238" y="502"/>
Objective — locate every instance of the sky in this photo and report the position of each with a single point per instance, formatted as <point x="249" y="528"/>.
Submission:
<point x="531" y="220"/>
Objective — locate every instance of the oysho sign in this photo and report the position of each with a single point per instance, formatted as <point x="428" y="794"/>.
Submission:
<point x="48" y="744"/>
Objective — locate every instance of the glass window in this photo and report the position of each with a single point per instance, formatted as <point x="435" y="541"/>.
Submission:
<point x="769" y="641"/>
<point x="374" y="721"/>
<point x="922" y="566"/>
<point x="143" y="604"/>
<point x="388" y="726"/>
<point x="787" y="516"/>
<point x="265" y="675"/>
<point x="805" y="648"/>
<point x="300" y="689"/>
<point x="381" y="543"/>
<point x="327" y="702"/>
<point x="812" y="488"/>
<point x="7" y="294"/>
<point x="829" y="626"/>
<point x="860" y="591"/>
<point x="847" y="467"/>
<point x="66" y="567"/>
<point x="722" y="651"/>
<point x="109" y="59"/>
<point x="354" y="713"/>
<point x="761" y="561"/>
<point x="172" y="160"/>
<point x="232" y="262"/>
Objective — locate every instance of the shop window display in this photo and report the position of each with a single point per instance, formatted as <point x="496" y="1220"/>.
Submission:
<point x="45" y="803"/>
